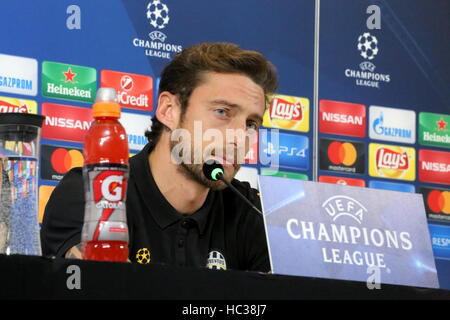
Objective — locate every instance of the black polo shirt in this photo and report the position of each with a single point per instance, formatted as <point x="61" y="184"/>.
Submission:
<point x="225" y="233"/>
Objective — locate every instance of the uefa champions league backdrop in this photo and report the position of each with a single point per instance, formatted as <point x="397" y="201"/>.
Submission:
<point x="363" y="99"/>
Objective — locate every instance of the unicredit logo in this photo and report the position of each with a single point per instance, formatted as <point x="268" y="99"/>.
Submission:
<point x="284" y="110"/>
<point x="388" y="159"/>
<point x="134" y="91"/>
<point x="126" y="99"/>
<point x="342" y="153"/>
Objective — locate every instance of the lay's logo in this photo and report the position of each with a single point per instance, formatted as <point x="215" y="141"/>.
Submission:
<point x="288" y="113"/>
<point x="17" y="105"/>
<point x="389" y="159"/>
<point x="392" y="162"/>
<point x="285" y="110"/>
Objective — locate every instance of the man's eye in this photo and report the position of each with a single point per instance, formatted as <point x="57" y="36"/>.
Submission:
<point x="252" y="125"/>
<point x="221" y="112"/>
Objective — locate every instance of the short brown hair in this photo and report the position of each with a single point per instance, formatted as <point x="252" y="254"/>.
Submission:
<point x="183" y="74"/>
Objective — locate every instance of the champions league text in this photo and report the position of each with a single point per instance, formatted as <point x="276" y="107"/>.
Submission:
<point x="342" y="234"/>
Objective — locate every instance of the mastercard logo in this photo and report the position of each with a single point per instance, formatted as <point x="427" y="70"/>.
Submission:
<point x="439" y="201"/>
<point x="63" y="160"/>
<point x="342" y="153"/>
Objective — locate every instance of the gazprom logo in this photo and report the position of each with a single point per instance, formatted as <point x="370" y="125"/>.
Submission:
<point x="157" y="35"/>
<point x="18" y="75"/>
<point x="380" y="129"/>
<point x="340" y="206"/>
<point x="392" y="124"/>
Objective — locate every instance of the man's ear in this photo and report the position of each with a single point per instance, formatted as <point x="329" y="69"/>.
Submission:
<point x="168" y="110"/>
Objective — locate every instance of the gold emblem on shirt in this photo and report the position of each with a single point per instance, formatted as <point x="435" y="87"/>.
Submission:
<point x="143" y="256"/>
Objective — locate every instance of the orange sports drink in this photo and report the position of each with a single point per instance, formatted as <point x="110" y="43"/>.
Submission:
<point x="105" y="174"/>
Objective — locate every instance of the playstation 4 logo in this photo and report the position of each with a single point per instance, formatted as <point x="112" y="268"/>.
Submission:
<point x="289" y="151"/>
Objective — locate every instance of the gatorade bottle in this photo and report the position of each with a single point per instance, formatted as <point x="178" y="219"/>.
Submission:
<point x="105" y="173"/>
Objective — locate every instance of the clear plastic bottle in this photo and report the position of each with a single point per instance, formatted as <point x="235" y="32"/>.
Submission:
<point x="105" y="173"/>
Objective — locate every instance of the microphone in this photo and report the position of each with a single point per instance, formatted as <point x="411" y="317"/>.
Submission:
<point x="213" y="171"/>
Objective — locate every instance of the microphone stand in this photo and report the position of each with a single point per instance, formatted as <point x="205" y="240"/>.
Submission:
<point x="236" y="191"/>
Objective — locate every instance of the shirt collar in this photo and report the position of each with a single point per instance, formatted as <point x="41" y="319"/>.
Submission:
<point x="161" y="210"/>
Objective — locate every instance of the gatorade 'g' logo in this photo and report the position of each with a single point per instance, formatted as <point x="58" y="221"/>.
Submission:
<point x="109" y="185"/>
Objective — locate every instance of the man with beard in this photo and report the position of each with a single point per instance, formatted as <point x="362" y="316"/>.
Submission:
<point x="212" y="98"/>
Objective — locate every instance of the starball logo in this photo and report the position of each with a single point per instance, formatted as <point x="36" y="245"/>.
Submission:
<point x="157" y="15"/>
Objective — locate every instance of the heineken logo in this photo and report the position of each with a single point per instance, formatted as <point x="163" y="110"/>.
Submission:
<point x="434" y="129"/>
<point x="68" y="82"/>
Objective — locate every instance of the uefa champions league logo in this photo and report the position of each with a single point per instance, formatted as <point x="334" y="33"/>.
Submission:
<point x="158" y="14"/>
<point x="367" y="46"/>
